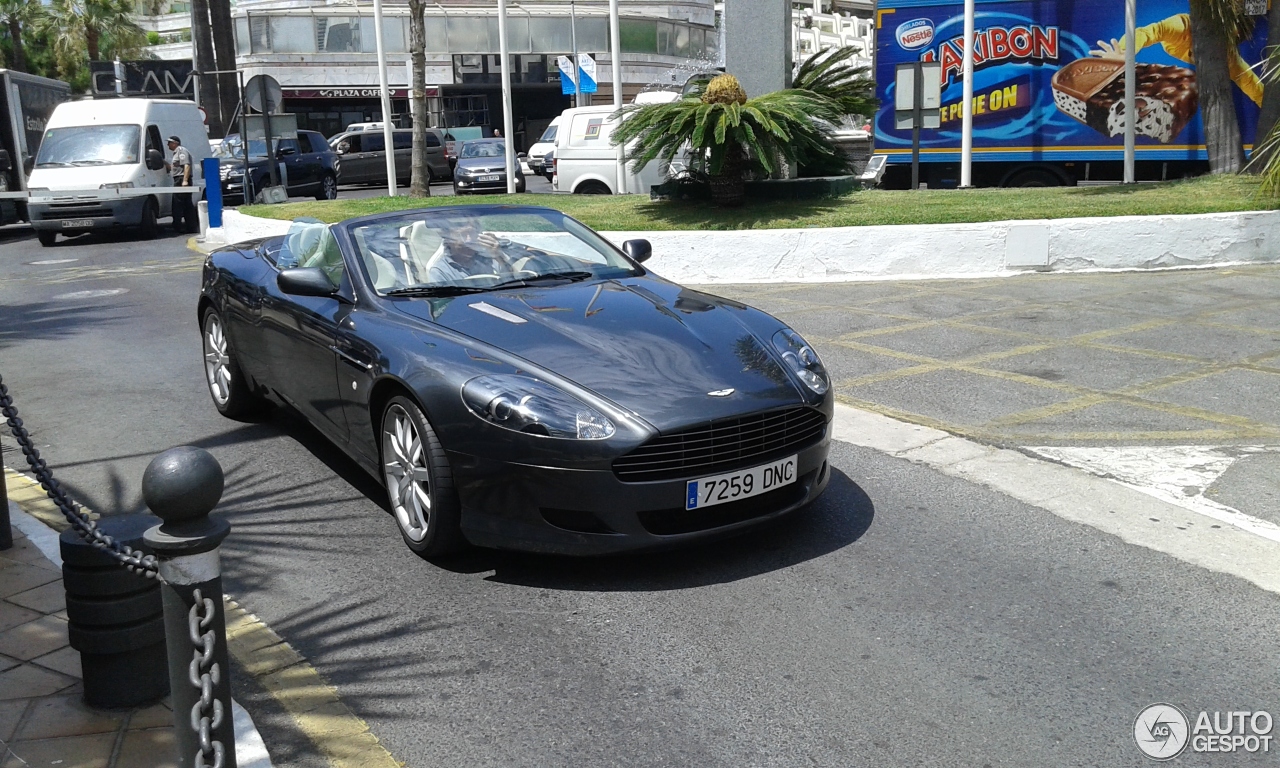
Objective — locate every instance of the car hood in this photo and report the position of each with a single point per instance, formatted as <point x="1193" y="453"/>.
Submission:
<point x="654" y="348"/>
<point x="485" y="164"/>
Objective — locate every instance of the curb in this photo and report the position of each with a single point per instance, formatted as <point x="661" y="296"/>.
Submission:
<point x="286" y="675"/>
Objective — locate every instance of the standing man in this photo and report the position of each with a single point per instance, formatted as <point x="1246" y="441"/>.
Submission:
<point x="180" y="169"/>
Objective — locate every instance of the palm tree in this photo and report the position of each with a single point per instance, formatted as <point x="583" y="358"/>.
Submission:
<point x="17" y="14"/>
<point x="733" y="133"/>
<point x="829" y="73"/>
<point x="1217" y="26"/>
<point x="420" y="173"/>
<point x="1270" y="113"/>
<point x="100" y="28"/>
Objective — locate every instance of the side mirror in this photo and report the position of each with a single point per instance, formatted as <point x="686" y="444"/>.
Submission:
<point x="305" y="281"/>
<point x="155" y="160"/>
<point x="6" y="163"/>
<point x="638" y="250"/>
<point x="29" y="164"/>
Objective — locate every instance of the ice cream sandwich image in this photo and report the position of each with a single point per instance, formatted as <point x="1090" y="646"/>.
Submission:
<point x="1092" y="91"/>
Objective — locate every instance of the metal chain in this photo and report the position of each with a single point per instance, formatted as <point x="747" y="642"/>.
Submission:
<point x="144" y="565"/>
<point x="204" y="674"/>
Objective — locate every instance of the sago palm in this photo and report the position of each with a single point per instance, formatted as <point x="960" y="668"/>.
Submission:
<point x="731" y="132"/>
<point x="831" y="74"/>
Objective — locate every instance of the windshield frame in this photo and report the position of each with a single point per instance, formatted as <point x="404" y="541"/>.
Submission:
<point x="49" y="141"/>
<point x="616" y="264"/>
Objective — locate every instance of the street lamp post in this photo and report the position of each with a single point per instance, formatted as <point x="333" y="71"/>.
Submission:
<point x="615" y="43"/>
<point x="577" y="71"/>
<point x="966" y="113"/>
<point x="387" y="134"/>
<point x="508" y="120"/>
<point x="1130" y="88"/>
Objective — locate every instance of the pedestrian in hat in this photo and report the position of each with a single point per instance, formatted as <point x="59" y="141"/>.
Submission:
<point x="180" y="169"/>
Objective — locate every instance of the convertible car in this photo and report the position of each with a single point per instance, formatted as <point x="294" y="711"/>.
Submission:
<point x="516" y="381"/>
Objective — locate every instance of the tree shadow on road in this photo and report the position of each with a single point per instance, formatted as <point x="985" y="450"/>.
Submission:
<point x="837" y="519"/>
<point x="50" y="320"/>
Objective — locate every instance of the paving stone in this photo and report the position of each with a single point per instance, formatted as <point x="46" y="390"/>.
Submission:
<point x="944" y="305"/>
<point x="957" y="397"/>
<point x="69" y="752"/>
<point x="49" y="598"/>
<point x="65" y="715"/>
<point x="816" y="324"/>
<point x="1237" y="391"/>
<point x="35" y="638"/>
<point x="154" y="716"/>
<point x="945" y="342"/>
<point x="1090" y="367"/>
<point x="22" y="576"/>
<point x="26" y="681"/>
<point x="844" y="363"/>
<point x="65" y="660"/>
<point x="1115" y="421"/>
<point x="152" y="748"/>
<point x="7" y="663"/>
<point x="1060" y="322"/>
<point x="1204" y="342"/>
<point x="1162" y="302"/>
<point x="1251" y="485"/>
<point x="14" y="615"/>
<point x="10" y="715"/>
<point x="1252" y="317"/>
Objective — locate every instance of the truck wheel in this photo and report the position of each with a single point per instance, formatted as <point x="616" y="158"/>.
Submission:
<point x="592" y="188"/>
<point x="147" y="226"/>
<point x="1035" y="177"/>
<point x="47" y="237"/>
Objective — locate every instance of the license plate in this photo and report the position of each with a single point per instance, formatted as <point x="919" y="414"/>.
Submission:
<point x="77" y="223"/>
<point x="492" y="177"/>
<point x="743" y="484"/>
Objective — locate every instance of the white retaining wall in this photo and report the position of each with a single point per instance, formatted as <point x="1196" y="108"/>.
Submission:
<point x="929" y="250"/>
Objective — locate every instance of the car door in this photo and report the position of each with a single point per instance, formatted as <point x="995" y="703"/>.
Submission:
<point x="404" y="155"/>
<point x="161" y="177"/>
<point x="350" y="169"/>
<point x="297" y="180"/>
<point x="436" y="156"/>
<point x="373" y="158"/>
<point x="298" y="334"/>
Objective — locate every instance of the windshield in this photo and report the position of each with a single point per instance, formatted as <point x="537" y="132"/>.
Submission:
<point x="464" y="251"/>
<point x="90" y="145"/>
<point x="231" y="147"/>
<point x="548" y="135"/>
<point x="484" y="149"/>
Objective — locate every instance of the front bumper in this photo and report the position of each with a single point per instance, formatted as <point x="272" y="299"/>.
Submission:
<point x="88" y="214"/>
<point x="465" y="184"/>
<point x="592" y="512"/>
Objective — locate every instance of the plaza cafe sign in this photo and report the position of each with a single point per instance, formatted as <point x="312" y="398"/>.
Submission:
<point x="359" y="92"/>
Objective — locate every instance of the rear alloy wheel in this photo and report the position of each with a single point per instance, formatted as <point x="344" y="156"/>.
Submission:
<point x="231" y="394"/>
<point x="419" y="481"/>
<point x="328" y="188"/>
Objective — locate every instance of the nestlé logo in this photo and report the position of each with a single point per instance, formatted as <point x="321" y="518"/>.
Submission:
<point x="914" y="34"/>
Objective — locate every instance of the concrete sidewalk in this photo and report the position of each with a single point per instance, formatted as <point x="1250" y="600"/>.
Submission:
<point x="43" y="718"/>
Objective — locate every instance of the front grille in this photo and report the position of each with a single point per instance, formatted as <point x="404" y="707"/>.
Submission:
<point x="722" y="445"/>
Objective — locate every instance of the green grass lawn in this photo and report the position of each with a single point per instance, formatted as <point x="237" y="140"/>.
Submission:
<point x="634" y="212"/>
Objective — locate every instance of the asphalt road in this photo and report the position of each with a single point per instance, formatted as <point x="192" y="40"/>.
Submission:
<point x="907" y="618"/>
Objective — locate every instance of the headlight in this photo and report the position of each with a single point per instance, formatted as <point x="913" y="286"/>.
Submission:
<point x="118" y="185"/>
<point x="524" y="404"/>
<point x="800" y="358"/>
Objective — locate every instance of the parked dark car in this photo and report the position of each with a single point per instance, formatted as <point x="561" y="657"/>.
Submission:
<point x="515" y="380"/>
<point x="307" y="164"/>
<point x="482" y="168"/>
<point x="549" y="165"/>
<point x="364" y="156"/>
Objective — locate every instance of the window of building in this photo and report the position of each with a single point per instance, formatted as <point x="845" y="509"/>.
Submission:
<point x="293" y="34"/>
<point x="437" y="33"/>
<point x="337" y="34"/>
<point x="638" y="35"/>
<point x="259" y="34"/>
<point x="666" y="39"/>
<point x="469" y="33"/>
<point x="551" y="34"/>
<point x="593" y="34"/>
<point x="393" y="35"/>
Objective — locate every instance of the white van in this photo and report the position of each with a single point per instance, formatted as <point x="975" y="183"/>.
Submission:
<point x="586" y="163"/>
<point x="101" y="165"/>
<point x="547" y="142"/>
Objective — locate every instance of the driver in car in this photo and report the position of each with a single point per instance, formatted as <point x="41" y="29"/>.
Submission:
<point x="468" y="252"/>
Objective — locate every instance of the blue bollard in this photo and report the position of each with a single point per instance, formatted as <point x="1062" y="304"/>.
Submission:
<point x="213" y="190"/>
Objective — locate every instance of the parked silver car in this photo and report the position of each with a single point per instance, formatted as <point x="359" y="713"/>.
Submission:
<point x="364" y="156"/>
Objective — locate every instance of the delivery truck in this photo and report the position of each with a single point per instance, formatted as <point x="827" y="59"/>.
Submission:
<point x="1048" y="91"/>
<point x="26" y="102"/>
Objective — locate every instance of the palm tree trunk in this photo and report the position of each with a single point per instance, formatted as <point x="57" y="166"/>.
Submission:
<point x="1217" y="109"/>
<point x="419" y="185"/>
<point x="91" y="42"/>
<point x="728" y="189"/>
<point x="224" y="53"/>
<point x="202" y="43"/>
<point x="15" y="35"/>
<point x="1271" y="89"/>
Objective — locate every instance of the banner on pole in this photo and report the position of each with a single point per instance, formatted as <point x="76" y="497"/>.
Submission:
<point x="568" y="82"/>
<point x="587" y="68"/>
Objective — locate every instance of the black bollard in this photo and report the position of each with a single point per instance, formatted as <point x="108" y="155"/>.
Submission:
<point x="182" y="486"/>
<point x="114" y="618"/>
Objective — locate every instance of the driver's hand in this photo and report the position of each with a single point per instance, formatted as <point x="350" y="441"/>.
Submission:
<point x="489" y="240"/>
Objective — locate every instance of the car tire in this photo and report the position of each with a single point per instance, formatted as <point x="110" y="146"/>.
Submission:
<point x="231" y="394"/>
<point x="47" y="237"/>
<point x="193" y="217"/>
<point x="592" y="188"/>
<point x="457" y="192"/>
<point x="427" y="516"/>
<point x="328" y="188"/>
<point x="520" y="187"/>
<point x="148" y="226"/>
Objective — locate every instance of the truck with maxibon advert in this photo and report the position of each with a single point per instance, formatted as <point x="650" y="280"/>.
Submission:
<point x="1048" y="91"/>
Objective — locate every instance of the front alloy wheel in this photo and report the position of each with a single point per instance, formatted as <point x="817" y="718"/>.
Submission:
<point x="418" y="480"/>
<point x="231" y="395"/>
<point x="328" y="188"/>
